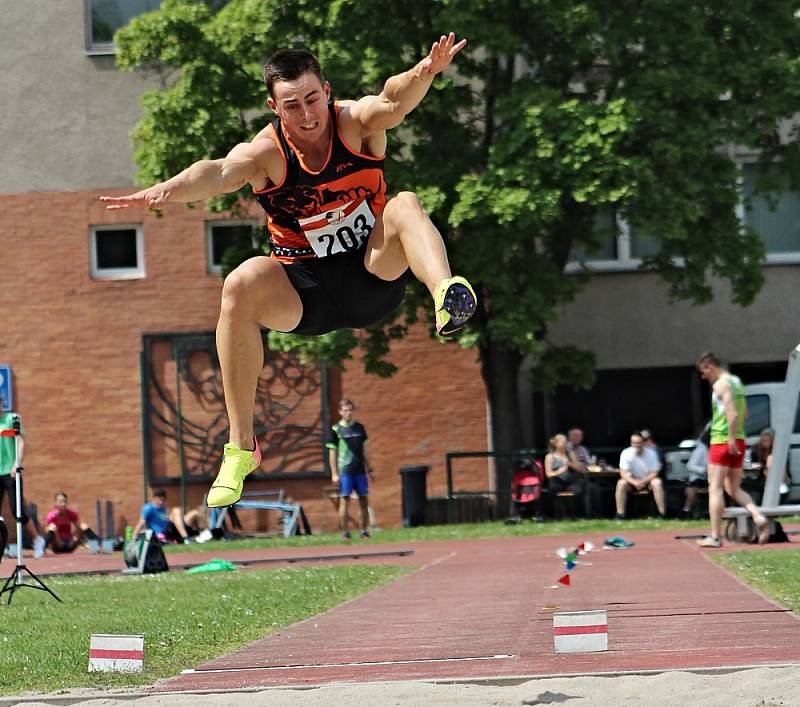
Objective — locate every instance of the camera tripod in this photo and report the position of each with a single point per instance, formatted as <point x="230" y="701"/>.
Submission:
<point x="17" y="578"/>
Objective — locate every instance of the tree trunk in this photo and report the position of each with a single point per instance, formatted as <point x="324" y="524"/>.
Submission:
<point x="499" y="367"/>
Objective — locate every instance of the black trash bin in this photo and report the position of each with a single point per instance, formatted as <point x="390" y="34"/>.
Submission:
<point x="415" y="494"/>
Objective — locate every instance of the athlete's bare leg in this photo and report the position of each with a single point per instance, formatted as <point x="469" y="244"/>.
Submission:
<point x="716" y="497"/>
<point x="733" y="485"/>
<point x="258" y="293"/>
<point x="344" y="507"/>
<point x="404" y="236"/>
<point x="363" y="503"/>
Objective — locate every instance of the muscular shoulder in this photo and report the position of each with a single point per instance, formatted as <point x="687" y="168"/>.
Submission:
<point x="258" y="162"/>
<point x="354" y="126"/>
<point x="722" y="386"/>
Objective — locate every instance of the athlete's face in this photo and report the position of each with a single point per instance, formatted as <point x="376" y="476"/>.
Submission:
<point x="302" y="106"/>
<point x="707" y="371"/>
<point x="346" y="412"/>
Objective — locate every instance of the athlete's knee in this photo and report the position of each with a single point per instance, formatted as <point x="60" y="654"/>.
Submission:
<point x="404" y="203"/>
<point x="238" y="285"/>
<point x="234" y="289"/>
<point x="656" y="483"/>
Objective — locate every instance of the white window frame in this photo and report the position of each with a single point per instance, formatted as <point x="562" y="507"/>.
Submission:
<point x="99" y="273"/>
<point x="625" y="262"/>
<point x="92" y="49"/>
<point x="792" y="258"/>
<point x="254" y="223"/>
<point x="99" y="48"/>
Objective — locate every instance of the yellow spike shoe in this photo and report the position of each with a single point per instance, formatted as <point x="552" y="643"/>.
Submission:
<point x="455" y="302"/>
<point x="236" y="464"/>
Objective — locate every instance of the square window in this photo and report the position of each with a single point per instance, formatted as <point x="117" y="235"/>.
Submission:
<point x="105" y="17"/>
<point x="116" y="252"/>
<point x="777" y="221"/>
<point x="222" y="235"/>
<point x="605" y="245"/>
<point x="643" y="244"/>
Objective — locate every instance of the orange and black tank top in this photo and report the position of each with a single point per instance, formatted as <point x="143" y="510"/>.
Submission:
<point x="316" y="214"/>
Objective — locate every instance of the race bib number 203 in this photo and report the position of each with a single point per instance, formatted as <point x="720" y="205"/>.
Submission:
<point x="339" y="230"/>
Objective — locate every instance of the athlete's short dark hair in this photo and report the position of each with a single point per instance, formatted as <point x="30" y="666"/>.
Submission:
<point x="707" y="357"/>
<point x="159" y="493"/>
<point x="345" y="401"/>
<point x="290" y="64"/>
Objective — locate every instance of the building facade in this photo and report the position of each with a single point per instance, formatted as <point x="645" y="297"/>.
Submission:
<point x="83" y="288"/>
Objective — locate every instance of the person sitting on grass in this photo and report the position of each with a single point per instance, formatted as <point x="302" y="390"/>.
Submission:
<point x="166" y="527"/>
<point x="63" y="529"/>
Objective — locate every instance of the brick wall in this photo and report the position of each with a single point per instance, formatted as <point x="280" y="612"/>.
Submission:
<point x="74" y="344"/>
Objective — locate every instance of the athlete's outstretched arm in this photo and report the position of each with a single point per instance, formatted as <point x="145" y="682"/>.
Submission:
<point x="202" y="180"/>
<point x="403" y="92"/>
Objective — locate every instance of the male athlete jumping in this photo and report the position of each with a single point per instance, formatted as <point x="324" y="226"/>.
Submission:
<point x="340" y="249"/>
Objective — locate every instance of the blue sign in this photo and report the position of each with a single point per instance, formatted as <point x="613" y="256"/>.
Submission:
<point x="5" y="388"/>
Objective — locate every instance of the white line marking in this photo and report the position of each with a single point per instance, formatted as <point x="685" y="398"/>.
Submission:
<point x="501" y="656"/>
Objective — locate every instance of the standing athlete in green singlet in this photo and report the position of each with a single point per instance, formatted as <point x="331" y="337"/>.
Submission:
<point x="726" y="452"/>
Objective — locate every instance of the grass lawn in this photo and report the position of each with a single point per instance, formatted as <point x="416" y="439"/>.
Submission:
<point x="776" y="574"/>
<point x="464" y="531"/>
<point x="186" y="619"/>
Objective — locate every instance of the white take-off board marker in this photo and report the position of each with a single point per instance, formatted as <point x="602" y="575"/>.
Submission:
<point x="580" y="631"/>
<point x="109" y="652"/>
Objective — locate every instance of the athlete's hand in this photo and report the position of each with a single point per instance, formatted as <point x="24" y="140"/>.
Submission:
<point x="441" y="54"/>
<point x="733" y="450"/>
<point x="154" y="197"/>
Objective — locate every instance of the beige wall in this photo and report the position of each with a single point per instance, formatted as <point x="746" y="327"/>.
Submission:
<point x="627" y="319"/>
<point x="65" y="117"/>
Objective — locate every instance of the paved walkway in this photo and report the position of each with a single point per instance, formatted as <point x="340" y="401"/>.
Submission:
<point x="483" y="609"/>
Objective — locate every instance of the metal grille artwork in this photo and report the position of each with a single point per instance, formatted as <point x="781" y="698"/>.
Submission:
<point x="185" y="424"/>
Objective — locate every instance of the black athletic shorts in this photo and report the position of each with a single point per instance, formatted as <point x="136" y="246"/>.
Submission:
<point x="338" y="292"/>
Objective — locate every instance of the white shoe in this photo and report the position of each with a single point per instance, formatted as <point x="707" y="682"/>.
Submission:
<point x="38" y="547"/>
<point x="204" y="536"/>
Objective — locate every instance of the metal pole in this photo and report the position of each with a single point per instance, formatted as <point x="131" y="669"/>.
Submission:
<point x="451" y="511"/>
<point x="99" y="519"/>
<point x="18" y="494"/>
<point x="180" y="427"/>
<point x="783" y="430"/>
<point x="325" y="415"/>
<point x="145" y="419"/>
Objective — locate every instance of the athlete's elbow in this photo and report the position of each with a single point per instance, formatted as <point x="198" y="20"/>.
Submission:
<point x="392" y="113"/>
<point x="231" y="180"/>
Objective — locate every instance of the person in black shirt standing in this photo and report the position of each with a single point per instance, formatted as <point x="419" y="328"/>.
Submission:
<point x="350" y="465"/>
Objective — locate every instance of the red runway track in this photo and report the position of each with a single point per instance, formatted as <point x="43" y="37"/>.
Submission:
<point x="483" y="609"/>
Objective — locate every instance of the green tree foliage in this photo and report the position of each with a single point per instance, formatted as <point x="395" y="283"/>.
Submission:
<point x="561" y="113"/>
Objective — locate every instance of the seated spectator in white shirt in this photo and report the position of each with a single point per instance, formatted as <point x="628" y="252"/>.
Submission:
<point x="638" y="471"/>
